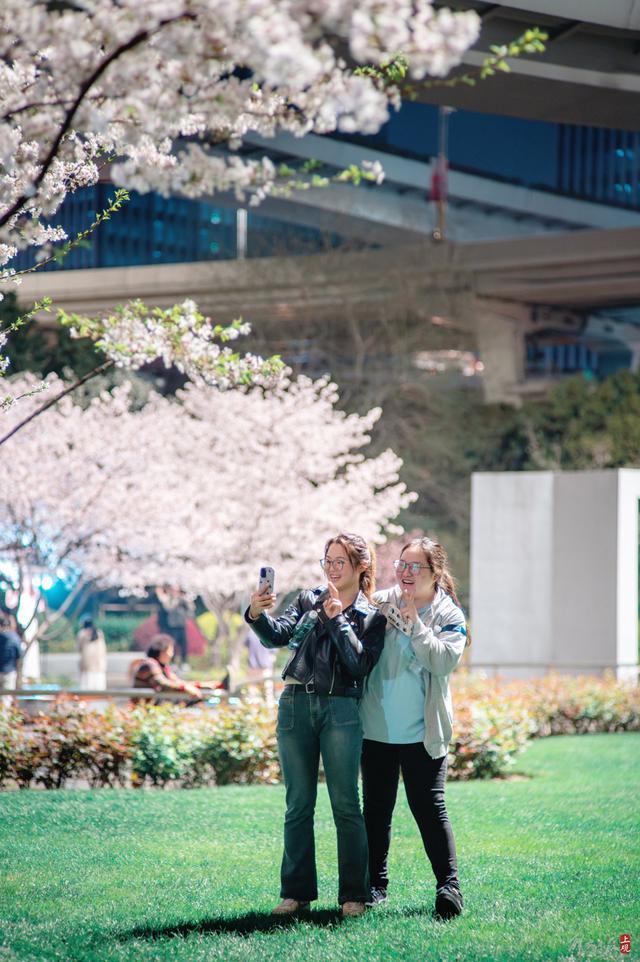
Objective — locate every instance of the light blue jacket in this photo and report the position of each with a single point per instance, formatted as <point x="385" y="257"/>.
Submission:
<point x="437" y="641"/>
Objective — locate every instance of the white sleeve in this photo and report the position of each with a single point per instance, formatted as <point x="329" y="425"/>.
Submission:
<point x="439" y="649"/>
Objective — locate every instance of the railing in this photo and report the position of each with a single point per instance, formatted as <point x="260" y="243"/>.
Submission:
<point x="96" y="694"/>
<point x="219" y="694"/>
<point x="171" y="695"/>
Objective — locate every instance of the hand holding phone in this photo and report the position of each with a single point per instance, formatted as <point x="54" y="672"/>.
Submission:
<point x="264" y="597"/>
<point x="267" y="577"/>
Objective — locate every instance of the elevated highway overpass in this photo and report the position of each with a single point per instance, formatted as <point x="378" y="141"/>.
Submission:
<point x="589" y="74"/>
<point x="500" y="291"/>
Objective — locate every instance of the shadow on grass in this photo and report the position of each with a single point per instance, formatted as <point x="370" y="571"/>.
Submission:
<point x="261" y="922"/>
<point x="236" y="925"/>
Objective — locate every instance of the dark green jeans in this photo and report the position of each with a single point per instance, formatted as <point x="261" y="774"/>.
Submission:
<point x="310" y="726"/>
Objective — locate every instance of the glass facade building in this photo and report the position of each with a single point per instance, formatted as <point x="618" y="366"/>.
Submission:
<point x="151" y="229"/>
<point x="599" y="164"/>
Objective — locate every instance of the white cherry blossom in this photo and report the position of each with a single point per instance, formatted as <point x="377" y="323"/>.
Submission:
<point x="102" y="79"/>
<point x="197" y="491"/>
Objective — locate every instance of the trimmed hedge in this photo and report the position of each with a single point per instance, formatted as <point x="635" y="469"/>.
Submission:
<point x="168" y="745"/>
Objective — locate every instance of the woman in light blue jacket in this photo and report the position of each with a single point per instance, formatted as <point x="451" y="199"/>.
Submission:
<point x="407" y="717"/>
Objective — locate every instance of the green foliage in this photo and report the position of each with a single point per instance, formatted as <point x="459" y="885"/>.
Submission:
<point x="583" y="425"/>
<point x="495" y="720"/>
<point x="9" y="724"/>
<point x="60" y="637"/>
<point x="164" y="745"/>
<point x="306" y="177"/>
<point x="390" y="73"/>
<point x="34" y="349"/>
<point x="531" y="42"/>
<point x="236" y="744"/>
<point x="489" y="734"/>
<point x="548" y="864"/>
<point x="393" y="72"/>
<point x="207" y="622"/>
<point x="118" y="630"/>
<point x="60" y="251"/>
<point x="70" y="742"/>
<point x="240" y="745"/>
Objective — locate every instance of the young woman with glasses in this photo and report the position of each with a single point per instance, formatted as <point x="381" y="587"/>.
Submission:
<point x="407" y="717"/>
<point x="336" y="636"/>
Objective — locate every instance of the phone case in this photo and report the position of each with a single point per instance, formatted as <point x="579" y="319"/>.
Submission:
<point x="267" y="577"/>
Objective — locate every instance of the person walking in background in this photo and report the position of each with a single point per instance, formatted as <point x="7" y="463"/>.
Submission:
<point x="336" y="635"/>
<point x="407" y="717"/>
<point x="93" y="656"/>
<point x="11" y="650"/>
<point x="175" y="611"/>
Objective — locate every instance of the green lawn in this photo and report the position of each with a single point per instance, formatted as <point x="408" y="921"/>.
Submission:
<point x="550" y="869"/>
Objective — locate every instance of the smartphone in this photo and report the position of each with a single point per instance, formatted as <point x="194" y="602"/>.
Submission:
<point x="267" y="577"/>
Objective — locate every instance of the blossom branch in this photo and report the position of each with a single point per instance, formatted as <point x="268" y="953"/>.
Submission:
<point x="93" y="78"/>
<point x="54" y="400"/>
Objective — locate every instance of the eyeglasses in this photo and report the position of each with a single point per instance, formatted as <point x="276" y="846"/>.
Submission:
<point x="327" y="564"/>
<point x="413" y="566"/>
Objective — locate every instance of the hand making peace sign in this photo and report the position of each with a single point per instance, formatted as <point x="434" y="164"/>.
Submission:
<point x="333" y="605"/>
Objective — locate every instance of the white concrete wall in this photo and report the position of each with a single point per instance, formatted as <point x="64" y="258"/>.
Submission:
<point x="584" y="560"/>
<point x="627" y="613"/>
<point x="554" y="571"/>
<point x="511" y="580"/>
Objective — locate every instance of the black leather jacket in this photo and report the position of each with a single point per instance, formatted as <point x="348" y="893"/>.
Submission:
<point x="338" y="654"/>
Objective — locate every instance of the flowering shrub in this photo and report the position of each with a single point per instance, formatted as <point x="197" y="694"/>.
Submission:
<point x="146" y="745"/>
<point x="162" y="745"/>
<point x="165" y="745"/>
<point x="494" y="719"/>
<point x="20" y="752"/>
<point x="240" y="746"/>
<point x="488" y="735"/>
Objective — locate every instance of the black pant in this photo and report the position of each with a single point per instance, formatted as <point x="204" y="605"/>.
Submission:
<point x="424" y="779"/>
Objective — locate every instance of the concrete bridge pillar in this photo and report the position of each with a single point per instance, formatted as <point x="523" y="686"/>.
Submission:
<point x="500" y="329"/>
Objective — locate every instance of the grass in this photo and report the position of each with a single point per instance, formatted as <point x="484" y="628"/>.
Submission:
<point x="549" y="866"/>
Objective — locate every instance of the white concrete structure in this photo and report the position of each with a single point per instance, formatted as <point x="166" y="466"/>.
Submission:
<point x="554" y="572"/>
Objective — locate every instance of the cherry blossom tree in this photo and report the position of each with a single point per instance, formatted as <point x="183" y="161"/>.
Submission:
<point x="280" y="473"/>
<point x="158" y="91"/>
<point x="195" y="492"/>
<point x="76" y="496"/>
<point x="154" y="86"/>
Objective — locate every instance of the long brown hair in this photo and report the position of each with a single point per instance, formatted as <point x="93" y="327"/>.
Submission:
<point x="359" y="553"/>
<point x="436" y="558"/>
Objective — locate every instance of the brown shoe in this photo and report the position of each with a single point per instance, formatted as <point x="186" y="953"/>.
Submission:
<point x="350" y="910"/>
<point x="289" y="907"/>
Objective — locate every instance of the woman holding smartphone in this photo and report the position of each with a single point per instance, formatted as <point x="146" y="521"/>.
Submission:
<point x="407" y="717"/>
<point x="336" y="636"/>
